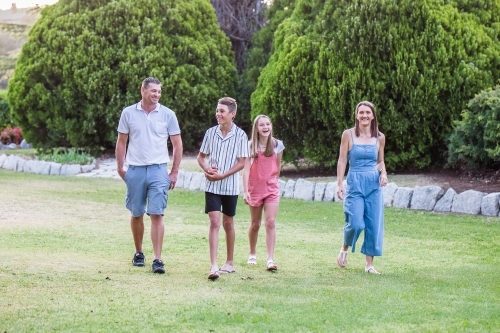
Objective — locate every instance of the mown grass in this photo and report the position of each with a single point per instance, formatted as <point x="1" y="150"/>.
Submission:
<point x="66" y="250"/>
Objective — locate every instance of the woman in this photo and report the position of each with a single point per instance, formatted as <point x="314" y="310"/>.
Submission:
<point x="363" y="147"/>
<point x="261" y="191"/>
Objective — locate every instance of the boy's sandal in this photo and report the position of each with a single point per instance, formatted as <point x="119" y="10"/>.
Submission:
<point x="342" y="258"/>
<point x="371" y="270"/>
<point x="271" y="266"/>
<point x="213" y="276"/>
<point x="252" y="259"/>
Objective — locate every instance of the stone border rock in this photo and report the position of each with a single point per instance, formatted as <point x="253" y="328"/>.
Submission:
<point x="428" y="198"/>
<point x="16" y="163"/>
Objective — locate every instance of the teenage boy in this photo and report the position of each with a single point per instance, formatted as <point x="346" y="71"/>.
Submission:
<point x="226" y="146"/>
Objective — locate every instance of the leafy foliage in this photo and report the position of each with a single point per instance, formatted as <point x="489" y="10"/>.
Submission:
<point x="67" y="156"/>
<point x="419" y="61"/>
<point x="5" y="118"/>
<point x="85" y="60"/>
<point x="476" y="138"/>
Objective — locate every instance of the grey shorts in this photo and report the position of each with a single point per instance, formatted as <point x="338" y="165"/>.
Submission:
<point x="147" y="189"/>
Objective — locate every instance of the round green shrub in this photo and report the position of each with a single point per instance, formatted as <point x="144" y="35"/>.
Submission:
<point x="84" y="62"/>
<point x="475" y="140"/>
<point x="418" y="61"/>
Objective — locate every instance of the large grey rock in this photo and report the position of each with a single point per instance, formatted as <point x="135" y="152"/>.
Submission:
<point x="282" y="185"/>
<point x="196" y="179"/>
<point x="304" y="190"/>
<point x="180" y="179"/>
<point x="402" y="197"/>
<point x="468" y="202"/>
<point x="490" y="204"/>
<point x="319" y="191"/>
<point x="3" y="157"/>
<point x="88" y="167"/>
<point x="55" y="169"/>
<point x="28" y="167"/>
<point x="330" y="192"/>
<point x="425" y="197"/>
<point x="444" y="204"/>
<point x="24" y="145"/>
<point x="11" y="162"/>
<point x="70" y="169"/>
<point x="187" y="179"/>
<point x="21" y="164"/>
<point x="289" y="188"/>
<point x="41" y="167"/>
<point x="388" y="193"/>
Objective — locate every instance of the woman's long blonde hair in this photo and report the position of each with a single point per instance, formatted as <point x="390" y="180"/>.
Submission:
<point x="254" y="145"/>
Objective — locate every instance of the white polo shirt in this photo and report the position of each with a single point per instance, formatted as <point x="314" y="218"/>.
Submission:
<point x="148" y="133"/>
<point x="224" y="153"/>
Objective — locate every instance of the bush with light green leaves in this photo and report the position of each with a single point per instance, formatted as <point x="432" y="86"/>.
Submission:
<point x="85" y="61"/>
<point x="475" y="140"/>
<point x="418" y="61"/>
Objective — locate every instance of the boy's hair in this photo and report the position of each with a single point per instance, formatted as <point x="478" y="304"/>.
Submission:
<point x="230" y="102"/>
<point x="148" y="80"/>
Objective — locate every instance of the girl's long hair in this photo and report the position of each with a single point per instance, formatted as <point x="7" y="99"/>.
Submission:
<point x="254" y="145"/>
<point x="374" y="124"/>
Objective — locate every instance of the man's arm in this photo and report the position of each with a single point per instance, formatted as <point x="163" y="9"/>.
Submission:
<point x="120" y="150"/>
<point x="177" y="150"/>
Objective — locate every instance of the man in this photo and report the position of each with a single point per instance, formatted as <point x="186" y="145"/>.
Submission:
<point x="147" y="125"/>
<point x="226" y="146"/>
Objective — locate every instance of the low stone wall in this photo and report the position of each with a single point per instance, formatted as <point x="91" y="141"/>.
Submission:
<point x="429" y="198"/>
<point x="16" y="163"/>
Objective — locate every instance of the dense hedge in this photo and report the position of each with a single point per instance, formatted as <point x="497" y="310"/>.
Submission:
<point x="85" y="60"/>
<point x="475" y="141"/>
<point x="419" y="61"/>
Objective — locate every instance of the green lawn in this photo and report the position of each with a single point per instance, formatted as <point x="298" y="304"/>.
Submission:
<point x="66" y="251"/>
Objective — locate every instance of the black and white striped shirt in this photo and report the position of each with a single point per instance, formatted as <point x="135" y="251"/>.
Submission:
<point x="224" y="153"/>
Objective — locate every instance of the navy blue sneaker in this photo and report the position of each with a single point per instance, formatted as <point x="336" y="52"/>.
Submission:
<point x="138" y="259"/>
<point x="158" y="266"/>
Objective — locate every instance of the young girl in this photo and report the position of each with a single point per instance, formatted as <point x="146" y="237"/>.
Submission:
<point x="261" y="191"/>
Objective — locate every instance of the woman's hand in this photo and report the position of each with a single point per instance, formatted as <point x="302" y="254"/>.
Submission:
<point x="246" y="198"/>
<point x="383" y="179"/>
<point x="341" y="192"/>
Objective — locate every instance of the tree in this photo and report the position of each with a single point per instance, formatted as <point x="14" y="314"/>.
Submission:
<point x="85" y="59"/>
<point x="240" y="19"/>
<point x="419" y="61"/>
<point x="258" y="56"/>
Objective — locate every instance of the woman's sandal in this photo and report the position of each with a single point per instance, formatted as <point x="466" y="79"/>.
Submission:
<point x="371" y="270"/>
<point x="342" y="258"/>
<point x="271" y="266"/>
<point x="252" y="259"/>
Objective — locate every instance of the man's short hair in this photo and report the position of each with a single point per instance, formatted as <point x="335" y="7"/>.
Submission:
<point x="230" y="102"/>
<point x="148" y="80"/>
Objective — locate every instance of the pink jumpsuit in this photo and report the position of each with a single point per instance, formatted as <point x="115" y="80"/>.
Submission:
<point x="263" y="180"/>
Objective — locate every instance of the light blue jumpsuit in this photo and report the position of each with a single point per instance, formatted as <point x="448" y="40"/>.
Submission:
<point x="364" y="203"/>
